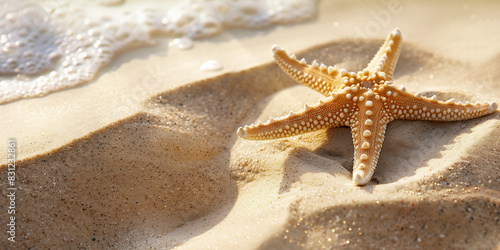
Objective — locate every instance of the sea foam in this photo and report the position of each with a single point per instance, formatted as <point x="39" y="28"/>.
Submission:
<point x="52" y="45"/>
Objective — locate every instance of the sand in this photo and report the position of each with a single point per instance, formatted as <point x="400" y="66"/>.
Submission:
<point x="147" y="156"/>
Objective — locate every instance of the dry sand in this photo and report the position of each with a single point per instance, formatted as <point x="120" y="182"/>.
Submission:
<point x="147" y="155"/>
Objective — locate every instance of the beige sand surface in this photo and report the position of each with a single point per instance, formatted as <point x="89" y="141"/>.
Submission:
<point x="147" y="155"/>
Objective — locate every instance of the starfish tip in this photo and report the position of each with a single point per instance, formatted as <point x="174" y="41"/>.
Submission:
<point x="493" y="107"/>
<point x="275" y="48"/>
<point x="242" y="133"/>
<point x="396" y="32"/>
<point x="359" y="180"/>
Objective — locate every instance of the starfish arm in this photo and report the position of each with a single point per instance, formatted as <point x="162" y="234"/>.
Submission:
<point x="368" y="133"/>
<point x="408" y="106"/>
<point x="387" y="56"/>
<point x="331" y="112"/>
<point x="318" y="77"/>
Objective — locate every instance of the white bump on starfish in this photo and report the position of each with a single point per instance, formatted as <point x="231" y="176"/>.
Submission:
<point x="367" y="133"/>
<point x="331" y="70"/>
<point x="315" y="64"/>
<point x="322" y="67"/>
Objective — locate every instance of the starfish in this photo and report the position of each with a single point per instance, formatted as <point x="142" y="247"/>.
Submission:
<point x="366" y="101"/>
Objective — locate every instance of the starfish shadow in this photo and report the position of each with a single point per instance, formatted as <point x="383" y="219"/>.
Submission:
<point x="333" y="157"/>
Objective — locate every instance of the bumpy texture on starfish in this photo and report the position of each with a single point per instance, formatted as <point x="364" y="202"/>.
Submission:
<point x="365" y="101"/>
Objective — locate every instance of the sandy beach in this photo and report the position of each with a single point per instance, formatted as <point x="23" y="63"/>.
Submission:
<point x="146" y="154"/>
